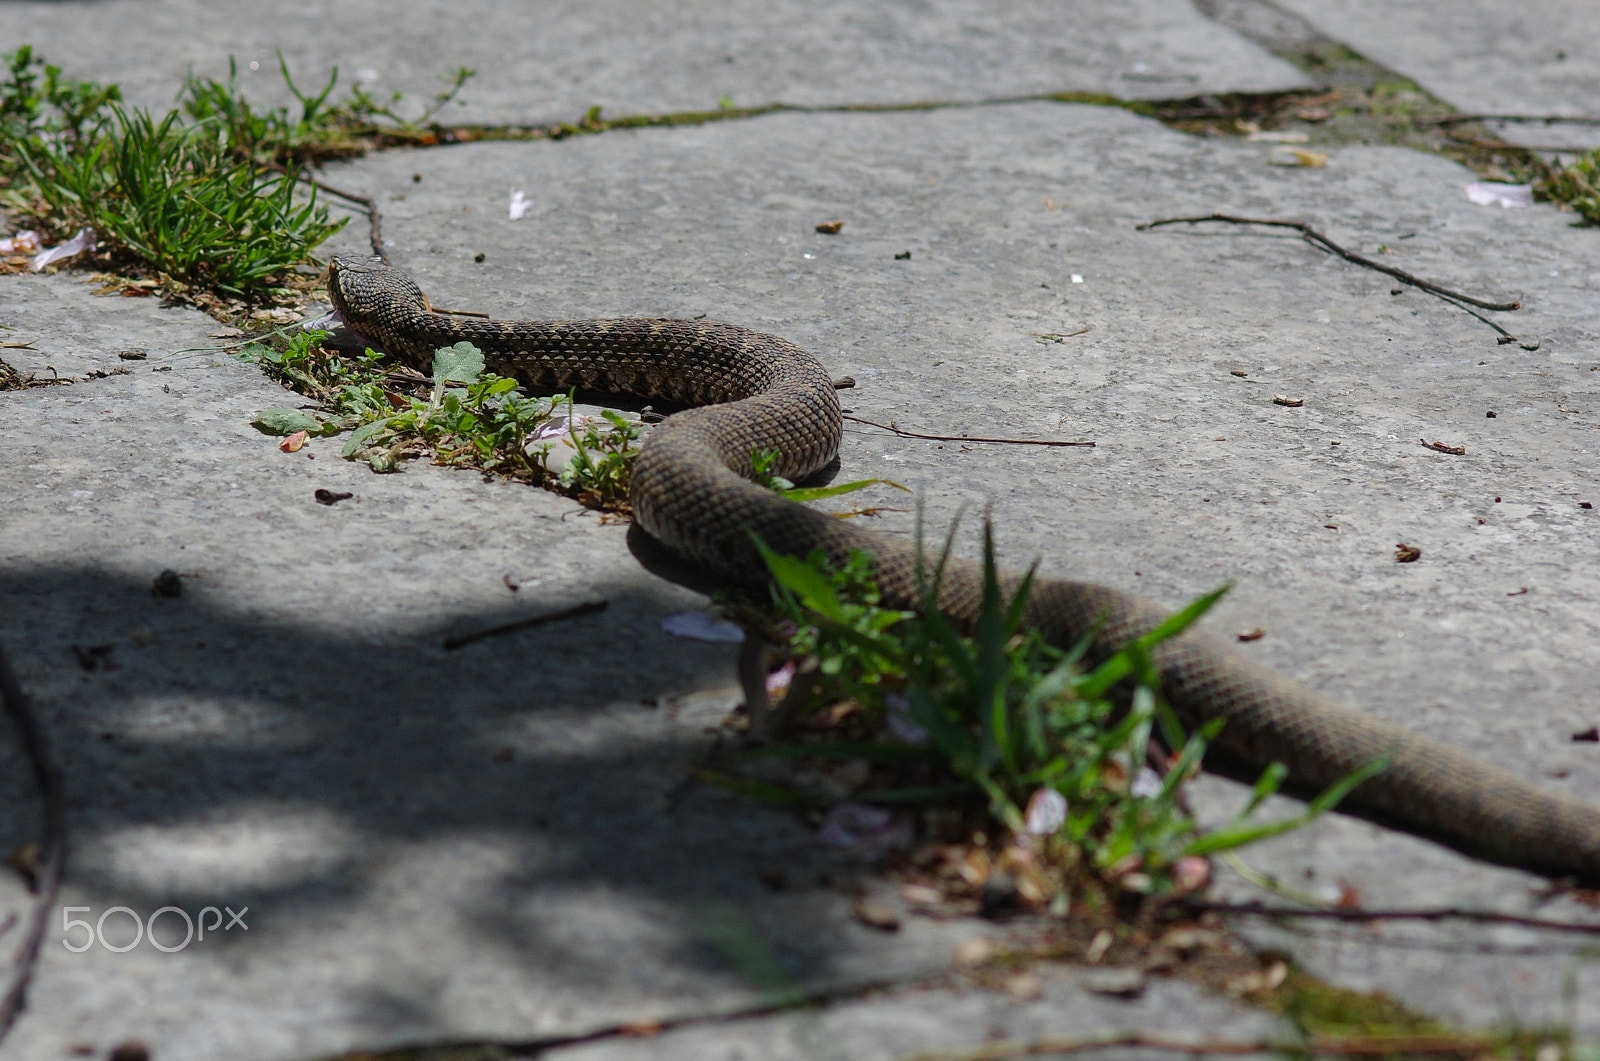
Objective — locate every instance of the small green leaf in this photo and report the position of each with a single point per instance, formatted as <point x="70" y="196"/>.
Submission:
<point x="461" y="363"/>
<point x="817" y="493"/>
<point x="286" y="422"/>
<point x="359" y="436"/>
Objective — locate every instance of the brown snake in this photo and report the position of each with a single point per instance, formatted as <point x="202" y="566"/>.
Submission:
<point x="751" y="391"/>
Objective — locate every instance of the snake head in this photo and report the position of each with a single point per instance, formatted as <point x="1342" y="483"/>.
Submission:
<point x="373" y="300"/>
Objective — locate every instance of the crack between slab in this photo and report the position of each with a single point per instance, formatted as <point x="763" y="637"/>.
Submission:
<point x="774" y="1003"/>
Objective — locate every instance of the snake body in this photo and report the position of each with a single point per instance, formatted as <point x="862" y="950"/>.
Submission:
<point x="748" y="391"/>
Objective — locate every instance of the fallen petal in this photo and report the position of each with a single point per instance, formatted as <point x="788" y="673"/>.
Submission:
<point x="519" y="205"/>
<point x="778" y="681"/>
<point x="293" y="443"/>
<point x="24" y="242"/>
<point x="1504" y="195"/>
<point x="901" y="727"/>
<point x="560" y="425"/>
<point x="1190" y="873"/>
<point x="1047" y="811"/>
<point x="703" y="626"/>
<point x="83" y="241"/>
<point x="1146" y="783"/>
<point x="866" y="832"/>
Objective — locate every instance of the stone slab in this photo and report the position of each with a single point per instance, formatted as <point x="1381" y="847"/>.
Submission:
<point x="1537" y="58"/>
<point x="485" y="843"/>
<point x="554" y="61"/>
<point x="324" y="761"/>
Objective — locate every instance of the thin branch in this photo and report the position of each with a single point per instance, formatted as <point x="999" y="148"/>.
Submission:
<point x="1329" y="1045"/>
<point x="1507" y="145"/>
<point x="1317" y="239"/>
<point x="1547" y="119"/>
<point x="891" y="426"/>
<point x="1448" y="913"/>
<point x="455" y="641"/>
<point x="53" y="846"/>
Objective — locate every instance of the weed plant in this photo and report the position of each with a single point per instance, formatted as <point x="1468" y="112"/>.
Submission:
<point x="1003" y="720"/>
<point x="206" y="196"/>
<point x="1577" y="185"/>
<point x="177" y="198"/>
<point x="462" y="416"/>
<point x="321" y="131"/>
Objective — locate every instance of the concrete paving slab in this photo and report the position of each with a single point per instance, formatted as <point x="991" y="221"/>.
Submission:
<point x="553" y="61"/>
<point x="73" y="332"/>
<point x="553" y="889"/>
<point x="1198" y="476"/>
<point x="1536" y="58"/>
<point x="431" y="844"/>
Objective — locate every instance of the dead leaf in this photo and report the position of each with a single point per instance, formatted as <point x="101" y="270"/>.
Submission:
<point x="1253" y="635"/>
<point x="1283" y="399"/>
<point x="1118" y="983"/>
<point x="1260" y="981"/>
<point x="1406" y="554"/>
<point x="1026" y="986"/>
<point x="921" y="895"/>
<point x="1349" y="897"/>
<point x="1445" y="447"/>
<point x="830" y="228"/>
<point x="226" y="333"/>
<point x="1298" y="156"/>
<point x="1098" y="946"/>
<point x="1587" y="736"/>
<point x="294" y="442"/>
<point x="975" y="951"/>
<point x="876" y="915"/>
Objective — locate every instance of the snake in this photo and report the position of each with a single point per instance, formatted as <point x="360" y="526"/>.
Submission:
<point x="740" y="391"/>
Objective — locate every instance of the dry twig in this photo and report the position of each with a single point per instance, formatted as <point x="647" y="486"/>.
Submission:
<point x="53" y="847"/>
<point x="1325" y="1045"/>
<point x="1317" y="239"/>
<point x="894" y="428"/>
<point x="1447" y="913"/>
<point x="1547" y="119"/>
<point x="455" y="641"/>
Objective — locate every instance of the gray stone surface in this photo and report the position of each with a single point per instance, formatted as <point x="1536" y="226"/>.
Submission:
<point x="553" y="61"/>
<point x="1538" y="57"/>
<point x="479" y="844"/>
<point x="1535" y="58"/>
<point x="432" y="844"/>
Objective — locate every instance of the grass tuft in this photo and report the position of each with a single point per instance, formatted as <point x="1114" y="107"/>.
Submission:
<point x="1577" y="185"/>
<point x="1039" y="747"/>
<point x="205" y="196"/>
